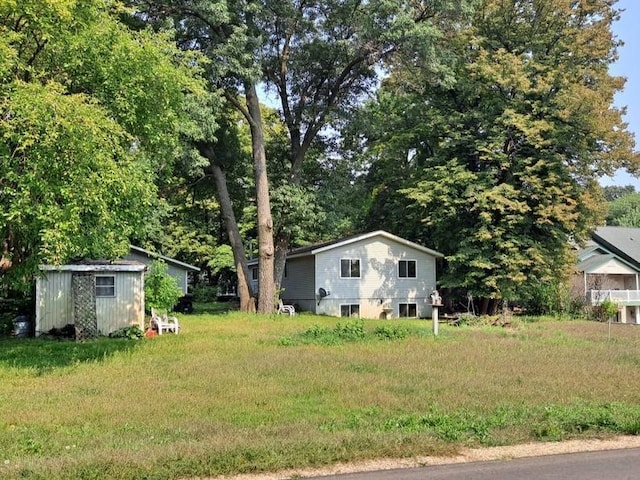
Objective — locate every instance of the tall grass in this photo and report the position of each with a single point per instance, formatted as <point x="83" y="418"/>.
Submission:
<point x="235" y="393"/>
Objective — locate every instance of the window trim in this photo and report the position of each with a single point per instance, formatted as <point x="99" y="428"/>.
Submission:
<point x="408" y="306"/>
<point x="351" y="260"/>
<point x="111" y="287"/>
<point x="415" y="268"/>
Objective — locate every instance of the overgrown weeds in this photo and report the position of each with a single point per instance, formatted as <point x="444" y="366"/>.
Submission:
<point x="351" y="331"/>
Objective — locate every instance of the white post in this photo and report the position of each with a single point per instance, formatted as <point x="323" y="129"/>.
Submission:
<point x="435" y="319"/>
<point x="637" y="315"/>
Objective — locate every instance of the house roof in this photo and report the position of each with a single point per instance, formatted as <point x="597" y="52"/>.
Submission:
<point x="324" y="246"/>
<point x="153" y="255"/>
<point x="621" y="241"/>
<point x="595" y="262"/>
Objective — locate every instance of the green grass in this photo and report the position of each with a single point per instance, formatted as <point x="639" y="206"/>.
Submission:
<point x="235" y="393"/>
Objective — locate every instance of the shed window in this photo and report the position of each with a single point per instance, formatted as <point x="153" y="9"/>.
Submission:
<point x="105" y="286"/>
<point x="350" y="268"/>
<point x="351" y="310"/>
<point x="407" y="269"/>
<point x="408" y="310"/>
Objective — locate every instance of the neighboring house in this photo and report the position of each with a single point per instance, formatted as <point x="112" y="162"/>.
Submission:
<point x="98" y="297"/>
<point x="178" y="270"/>
<point x="609" y="267"/>
<point x="372" y="275"/>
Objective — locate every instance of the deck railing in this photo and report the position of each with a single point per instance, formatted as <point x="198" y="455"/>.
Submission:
<point x="618" y="296"/>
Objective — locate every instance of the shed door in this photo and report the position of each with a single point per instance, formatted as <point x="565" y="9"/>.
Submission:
<point x="84" y="305"/>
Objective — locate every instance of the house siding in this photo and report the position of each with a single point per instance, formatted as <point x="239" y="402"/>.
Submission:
<point x="299" y="287"/>
<point x="379" y="286"/>
<point x="54" y="302"/>
<point x="180" y="274"/>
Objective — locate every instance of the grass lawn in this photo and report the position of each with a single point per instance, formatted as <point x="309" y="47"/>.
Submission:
<point x="234" y="393"/>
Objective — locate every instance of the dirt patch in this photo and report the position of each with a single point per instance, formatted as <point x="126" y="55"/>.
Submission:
<point x="466" y="455"/>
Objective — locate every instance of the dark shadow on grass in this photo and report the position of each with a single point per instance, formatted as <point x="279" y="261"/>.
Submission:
<point x="44" y="356"/>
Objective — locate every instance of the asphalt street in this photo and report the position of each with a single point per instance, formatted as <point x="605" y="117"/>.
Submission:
<point x="621" y="464"/>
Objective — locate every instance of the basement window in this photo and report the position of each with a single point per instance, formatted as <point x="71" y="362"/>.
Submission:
<point x="408" y="310"/>
<point x="350" y="310"/>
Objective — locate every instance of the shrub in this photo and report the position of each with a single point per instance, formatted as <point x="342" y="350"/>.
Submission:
<point x="391" y="332"/>
<point x="161" y="290"/>
<point x="133" y="332"/>
<point x="607" y="310"/>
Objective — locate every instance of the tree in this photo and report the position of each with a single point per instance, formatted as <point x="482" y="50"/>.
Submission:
<point x="509" y="152"/>
<point x="320" y="58"/>
<point x="613" y="192"/>
<point x="89" y="112"/>
<point x="624" y="211"/>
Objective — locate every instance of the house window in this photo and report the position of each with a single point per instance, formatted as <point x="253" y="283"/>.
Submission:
<point x="286" y="271"/>
<point x="350" y="268"/>
<point x="407" y="269"/>
<point x="408" y="310"/>
<point x="105" y="286"/>
<point x="351" y="310"/>
<point x="254" y="273"/>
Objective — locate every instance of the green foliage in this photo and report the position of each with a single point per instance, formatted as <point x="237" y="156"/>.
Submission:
<point x="624" y="211"/>
<point x="351" y="331"/>
<point x="205" y="293"/>
<point x="91" y="113"/>
<point x="607" y="310"/>
<point x="614" y="192"/>
<point x="132" y="333"/>
<point x="391" y="332"/>
<point x="553" y="297"/>
<point x="161" y="290"/>
<point x="501" y="166"/>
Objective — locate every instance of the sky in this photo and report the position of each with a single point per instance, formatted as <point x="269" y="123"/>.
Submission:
<point x="627" y="29"/>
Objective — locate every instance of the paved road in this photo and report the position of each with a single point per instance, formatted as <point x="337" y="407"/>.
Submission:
<point x="604" y="465"/>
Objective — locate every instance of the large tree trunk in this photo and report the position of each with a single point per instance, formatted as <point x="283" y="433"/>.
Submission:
<point x="245" y="293"/>
<point x="266" y="288"/>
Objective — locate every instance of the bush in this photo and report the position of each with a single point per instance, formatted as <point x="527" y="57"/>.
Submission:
<point x="161" y="290"/>
<point x="607" y="310"/>
<point x="133" y="332"/>
<point x="205" y="293"/>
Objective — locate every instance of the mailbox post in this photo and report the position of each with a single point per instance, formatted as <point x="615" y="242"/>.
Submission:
<point x="436" y="301"/>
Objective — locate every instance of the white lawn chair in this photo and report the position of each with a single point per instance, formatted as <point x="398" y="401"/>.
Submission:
<point x="164" y="323"/>
<point x="282" y="308"/>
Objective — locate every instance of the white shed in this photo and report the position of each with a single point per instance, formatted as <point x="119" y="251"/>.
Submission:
<point x="95" y="296"/>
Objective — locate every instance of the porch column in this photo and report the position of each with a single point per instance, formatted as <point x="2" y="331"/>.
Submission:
<point x="637" y="315"/>
<point x="584" y="274"/>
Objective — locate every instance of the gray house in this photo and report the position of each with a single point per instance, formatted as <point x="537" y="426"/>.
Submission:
<point x="178" y="270"/>
<point x="371" y="275"/>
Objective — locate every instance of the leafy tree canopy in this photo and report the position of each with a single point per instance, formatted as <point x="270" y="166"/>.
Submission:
<point x="504" y="159"/>
<point x="90" y="112"/>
